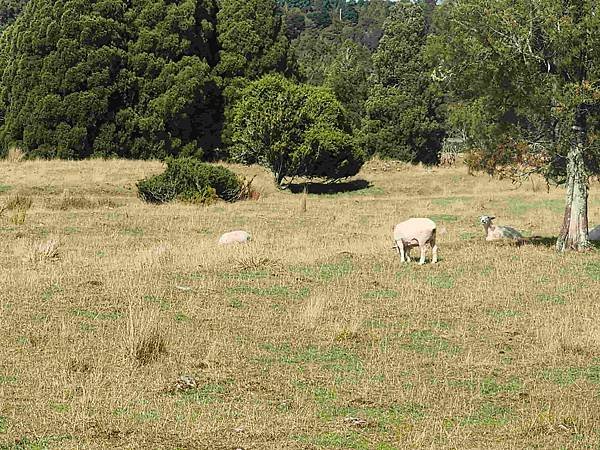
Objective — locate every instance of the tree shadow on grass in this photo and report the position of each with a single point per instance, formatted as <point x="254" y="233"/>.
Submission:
<point x="329" y="188"/>
<point x="541" y="241"/>
<point x="550" y="242"/>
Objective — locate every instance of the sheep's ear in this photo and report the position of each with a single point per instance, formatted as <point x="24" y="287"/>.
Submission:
<point x="492" y="217"/>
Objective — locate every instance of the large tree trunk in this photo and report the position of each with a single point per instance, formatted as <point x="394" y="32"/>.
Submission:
<point x="574" y="232"/>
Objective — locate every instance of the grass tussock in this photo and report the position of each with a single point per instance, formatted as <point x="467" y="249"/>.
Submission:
<point x="14" y="155"/>
<point x="67" y="201"/>
<point x="18" y="204"/>
<point x="312" y="336"/>
<point x="44" y="251"/>
<point x="146" y="341"/>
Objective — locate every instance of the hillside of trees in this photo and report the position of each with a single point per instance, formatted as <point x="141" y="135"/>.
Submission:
<point x="518" y="81"/>
<point x="156" y="79"/>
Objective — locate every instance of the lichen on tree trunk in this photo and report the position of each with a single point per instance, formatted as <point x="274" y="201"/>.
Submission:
<point x="574" y="232"/>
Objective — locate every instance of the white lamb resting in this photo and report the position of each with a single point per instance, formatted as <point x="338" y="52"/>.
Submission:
<point x="594" y="234"/>
<point x="235" y="237"/>
<point x="415" y="232"/>
<point x="497" y="232"/>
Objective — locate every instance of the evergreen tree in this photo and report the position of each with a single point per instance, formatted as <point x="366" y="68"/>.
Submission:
<point x="404" y="110"/>
<point x="251" y="35"/>
<point x="347" y="76"/>
<point x="294" y="130"/>
<point x="9" y="10"/>
<point x="108" y="78"/>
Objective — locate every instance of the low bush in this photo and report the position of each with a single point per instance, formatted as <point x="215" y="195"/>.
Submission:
<point x="190" y="180"/>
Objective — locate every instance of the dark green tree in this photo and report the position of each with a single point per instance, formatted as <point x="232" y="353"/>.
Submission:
<point x="347" y="76"/>
<point x="252" y="40"/>
<point x="103" y="77"/>
<point x="524" y="78"/>
<point x="9" y="10"/>
<point x="294" y="130"/>
<point x="404" y="116"/>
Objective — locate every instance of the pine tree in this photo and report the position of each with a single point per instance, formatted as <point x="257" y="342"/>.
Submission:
<point x="404" y="110"/>
<point x="86" y="77"/>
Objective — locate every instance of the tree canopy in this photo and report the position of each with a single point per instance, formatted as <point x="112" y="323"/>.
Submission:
<point x="294" y="130"/>
<point x="404" y="116"/>
<point x="524" y="81"/>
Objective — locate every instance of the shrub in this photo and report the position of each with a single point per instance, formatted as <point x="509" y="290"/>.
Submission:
<point x="193" y="181"/>
<point x="329" y="153"/>
<point x="294" y="131"/>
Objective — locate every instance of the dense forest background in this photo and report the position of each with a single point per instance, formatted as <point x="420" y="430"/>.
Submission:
<point x="146" y="79"/>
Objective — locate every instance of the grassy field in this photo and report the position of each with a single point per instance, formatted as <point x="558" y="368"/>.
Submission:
<point x="123" y="325"/>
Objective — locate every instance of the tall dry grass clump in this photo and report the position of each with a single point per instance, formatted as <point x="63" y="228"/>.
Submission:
<point x="19" y="204"/>
<point x="44" y="251"/>
<point x="146" y="341"/>
<point x="15" y="155"/>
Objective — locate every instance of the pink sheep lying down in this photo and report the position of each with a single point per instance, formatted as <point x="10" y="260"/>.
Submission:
<point x="235" y="237"/>
<point x="415" y="232"/>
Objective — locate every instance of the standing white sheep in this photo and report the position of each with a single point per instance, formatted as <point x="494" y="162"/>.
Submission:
<point x="235" y="237"/>
<point x="497" y="232"/>
<point x="594" y="234"/>
<point x="412" y="233"/>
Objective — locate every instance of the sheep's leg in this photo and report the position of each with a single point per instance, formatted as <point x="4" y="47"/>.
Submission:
<point x="407" y="254"/>
<point x="422" y="248"/>
<point x="400" y="247"/>
<point x="434" y="249"/>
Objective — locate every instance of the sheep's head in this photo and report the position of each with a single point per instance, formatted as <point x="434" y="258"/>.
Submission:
<point x="486" y="220"/>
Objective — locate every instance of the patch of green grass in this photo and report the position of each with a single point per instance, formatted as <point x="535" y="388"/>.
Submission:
<point x="345" y="440"/>
<point x="41" y="443"/>
<point x="272" y="291"/>
<point x="3" y="424"/>
<point x="425" y="341"/>
<point x="326" y="271"/>
<point x="208" y="393"/>
<point x="60" y="407"/>
<point x="147" y="416"/>
<point x="245" y="275"/>
<point x="181" y="317"/>
<point x="592" y="269"/>
<point x="441" y="281"/>
<point x="163" y="304"/>
<point x="518" y="206"/>
<point x="93" y="315"/>
<point x="381" y="293"/>
<point x="235" y="303"/>
<point x="137" y="231"/>
<point x="468" y="235"/>
<point x="446" y="201"/>
<point x="548" y="298"/>
<point x="49" y="292"/>
<point x="488" y="414"/>
<point x="444" y="218"/>
<point x="491" y="386"/>
<point x="487" y="270"/>
<point x="371" y="190"/>
<point x="500" y="314"/>
<point x="71" y="230"/>
<point x="324" y="395"/>
<point x="5" y="187"/>
<point x="568" y="376"/>
<point x="7" y="379"/>
<point x="335" y="359"/>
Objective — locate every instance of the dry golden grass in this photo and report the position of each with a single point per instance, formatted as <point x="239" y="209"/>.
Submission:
<point x="14" y="155"/>
<point x="140" y="332"/>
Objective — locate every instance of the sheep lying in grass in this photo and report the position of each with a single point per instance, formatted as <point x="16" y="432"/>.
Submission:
<point x="594" y="234"/>
<point x="235" y="237"/>
<point x="415" y="232"/>
<point x="497" y="232"/>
